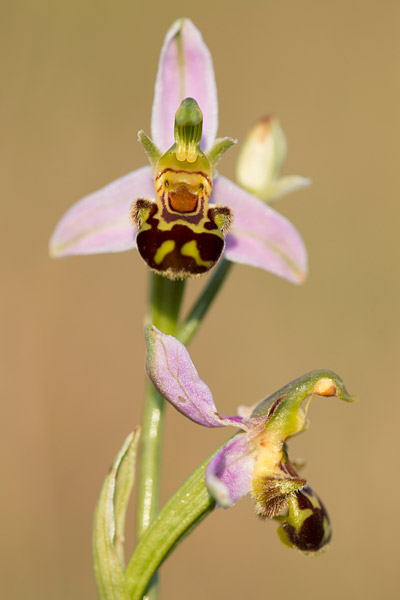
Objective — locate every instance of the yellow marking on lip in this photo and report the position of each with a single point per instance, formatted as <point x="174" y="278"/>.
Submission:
<point x="191" y="249"/>
<point x="165" y="248"/>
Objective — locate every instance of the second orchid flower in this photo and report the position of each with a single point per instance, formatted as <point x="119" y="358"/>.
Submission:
<point x="255" y="460"/>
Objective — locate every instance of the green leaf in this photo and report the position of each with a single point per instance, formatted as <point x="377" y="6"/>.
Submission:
<point x="177" y="519"/>
<point x="109" y="523"/>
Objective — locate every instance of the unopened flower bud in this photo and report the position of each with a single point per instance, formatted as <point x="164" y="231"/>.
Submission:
<point x="262" y="156"/>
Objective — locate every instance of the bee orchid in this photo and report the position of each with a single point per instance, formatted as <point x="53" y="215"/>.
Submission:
<point x="179" y="234"/>
<point x="180" y="214"/>
<point x="256" y="459"/>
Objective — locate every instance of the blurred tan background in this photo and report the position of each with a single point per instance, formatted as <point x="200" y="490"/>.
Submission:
<point x="77" y="85"/>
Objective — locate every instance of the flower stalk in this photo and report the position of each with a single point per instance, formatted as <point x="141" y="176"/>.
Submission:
<point x="200" y="308"/>
<point x="165" y="302"/>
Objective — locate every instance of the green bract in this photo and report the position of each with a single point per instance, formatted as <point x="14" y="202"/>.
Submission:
<point x="109" y="523"/>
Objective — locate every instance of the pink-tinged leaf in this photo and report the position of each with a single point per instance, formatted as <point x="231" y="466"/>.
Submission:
<point x="229" y="473"/>
<point x="174" y="375"/>
<point x="185" y="70"/>
<point x="260" y="236"/>
<point x="101" y="221"/>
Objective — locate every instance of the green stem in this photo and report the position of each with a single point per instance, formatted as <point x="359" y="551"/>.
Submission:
<point x="203" y="303"/>
<point x="182" y="513"/>
<point x="165" y="303"/>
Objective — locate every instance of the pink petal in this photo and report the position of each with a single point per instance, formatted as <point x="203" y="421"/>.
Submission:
<point x="185" y="70"/>
<point x="260" y="237"/>
<point x="229" y="473"/>
<point x="101" y="222"/>
<point x="172" y="372"/>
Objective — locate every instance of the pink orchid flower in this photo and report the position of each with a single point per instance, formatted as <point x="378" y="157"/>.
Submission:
<point x="101" y="222"/>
